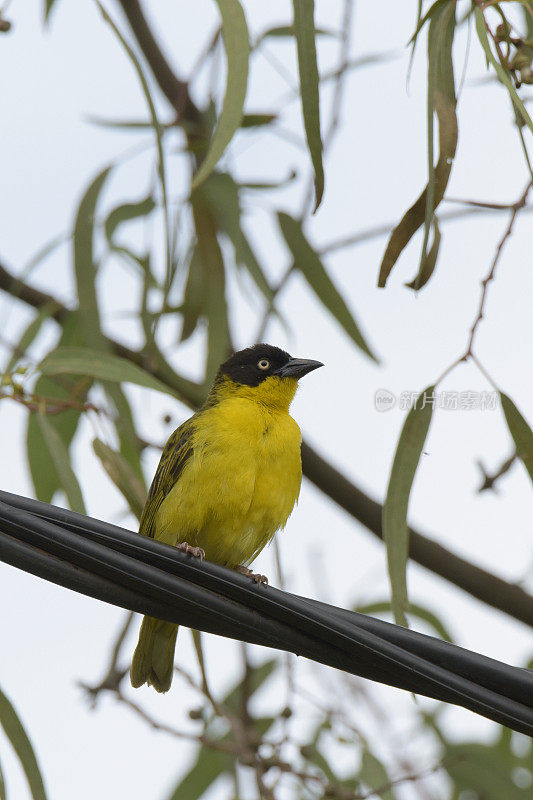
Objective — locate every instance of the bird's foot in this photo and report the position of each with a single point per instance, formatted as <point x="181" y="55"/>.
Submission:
<point x="256" y="577"/>
<point x="191" y="550"/>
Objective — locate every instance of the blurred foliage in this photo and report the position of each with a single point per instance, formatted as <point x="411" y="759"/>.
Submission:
<point x="208" y="246"/>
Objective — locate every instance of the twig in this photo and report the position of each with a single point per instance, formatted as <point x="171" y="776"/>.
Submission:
<point x="490" y="480"/>
<point x="113" y="676"/>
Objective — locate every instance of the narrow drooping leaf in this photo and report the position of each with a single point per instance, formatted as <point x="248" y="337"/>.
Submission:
<point x="3" y="789"/>
<point x="156" y="125"/>
<point x="210" y="262"/>
<point x="520" y="431"/>
<point x="286" y="31"/>
<point x="429" y="262"/>
<point x="17" y="736"/>
<point x="442" y="102"/>
<point x="208" y="767"/>
<point x="30" y="333"/>
<point x="395" y="530"/>
<point x="123" y="476"/>
<point x="61" y="461"/>
<point x="237" y="48"/>
<point x="257" y="120"/>
<point x="48" y="5"/>
<point x="125" y="213"/>
<point x="375" y="776"/>
<point x="85" y="267"/>
<point x="501" y="72"/>
<point x="102" y="366"/>
<point x="223" y="193"/>
<point x="44" y="475"/>
<point x="256" y="677"/>
<point x="304" y="28"/>
<point x="414" y="610"/>
<point x="307" y="261"/>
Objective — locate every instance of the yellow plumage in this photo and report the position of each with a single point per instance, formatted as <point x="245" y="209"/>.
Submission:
<point x="228" y="479"/>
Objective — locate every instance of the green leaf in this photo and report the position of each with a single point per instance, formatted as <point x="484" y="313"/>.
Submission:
<point x="429" y="262"/>
<point x="127" y="212"/>
<point x="61" y="459"/>
<point x="209" y="765"/>
<point x="237" y="47"/>
<point x="255" y="679"/>
<point x="210" y="263"/>
<point x="395" y="530"/>
<point x="285" y="31"/>
<point x="156" y="125"/>
<point x="30" y="333"/>
<point x="520" y="431"/>
<point x="85" y="267"/>
<point x="485" y="770"/>
<point x="123" y="476"/>
<point x="375" y="776"/>
<point x="442" y="101"/>
<point x="48" y="5"/>
<point x="14" y="730"/>
<point x="414" y="610"/>
<point x="45" y="479"/>
<point x="3" y="789"/>
<point x="257" y="120"/>
<point x="223" y="194"/>
<point x="502" y="73"/>
<point x="304" y="27"/>
<point x="308" y="262"/>
<point x="102" y="366"/>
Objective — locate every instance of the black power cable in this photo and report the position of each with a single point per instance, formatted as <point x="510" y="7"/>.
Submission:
<point x="140" y="574"/>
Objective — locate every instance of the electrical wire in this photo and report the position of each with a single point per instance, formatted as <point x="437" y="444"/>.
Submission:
<point x="120" y="567"/>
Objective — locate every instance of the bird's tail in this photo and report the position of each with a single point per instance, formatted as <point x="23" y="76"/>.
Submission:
<point x="153" y="659"/>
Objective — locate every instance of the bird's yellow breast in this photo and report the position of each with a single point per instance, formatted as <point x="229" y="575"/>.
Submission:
<point x="240" y="483"/>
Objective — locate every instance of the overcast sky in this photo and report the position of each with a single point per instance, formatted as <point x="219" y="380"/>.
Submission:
<point x="52" y="81"/>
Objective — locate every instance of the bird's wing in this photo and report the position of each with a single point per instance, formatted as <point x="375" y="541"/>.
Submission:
<point x="177" y="451"/>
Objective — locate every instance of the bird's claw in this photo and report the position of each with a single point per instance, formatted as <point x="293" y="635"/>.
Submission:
<point x="191" y="550"/>
<point x="255" y="576"/>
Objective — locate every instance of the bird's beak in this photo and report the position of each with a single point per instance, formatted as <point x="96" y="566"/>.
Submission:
<point x="298" y="367"/>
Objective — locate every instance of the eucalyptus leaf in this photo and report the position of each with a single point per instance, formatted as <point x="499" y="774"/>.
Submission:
<point x="61" y="460"/>
<point x="307" y="261"/>
<point x="102" y="366"/>
<point x="502" y="73"/>
<point x="375" y="776"/>
<point x="224" y="196"/>
<point x="156" y="126"/>
<point x="210" y="263"/>
<point x="123" y="476"/>
<point x="428" y="264"/>
<point x="304" y="28"/>
<point x="520" y="431"/>
<point x="30" y="333"/>
<point x="85" y="267"/>
<point x="237" y="48"/>
<point x="126" y="213"/>
<point x="44" y="475"/>
<point x="257" y="120"/>
<point x="395" y="530"/>
<point x="442" y="102"/>
<point x="19" y="739"/>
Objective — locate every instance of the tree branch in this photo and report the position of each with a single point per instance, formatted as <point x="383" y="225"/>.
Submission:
<point x="175" y="90"/>
<point x="483" y="585"/>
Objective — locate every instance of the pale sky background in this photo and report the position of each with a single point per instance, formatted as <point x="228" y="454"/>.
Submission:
<point x="51" y="82"/>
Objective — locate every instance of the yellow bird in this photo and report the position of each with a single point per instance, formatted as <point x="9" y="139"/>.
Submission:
<point x="227" y="480"/>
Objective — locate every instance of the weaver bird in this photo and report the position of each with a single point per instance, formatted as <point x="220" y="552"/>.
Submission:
<point x="227" y="480"/>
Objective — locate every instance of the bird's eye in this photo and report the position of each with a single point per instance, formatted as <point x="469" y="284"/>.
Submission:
<point x="263" y="364"/>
